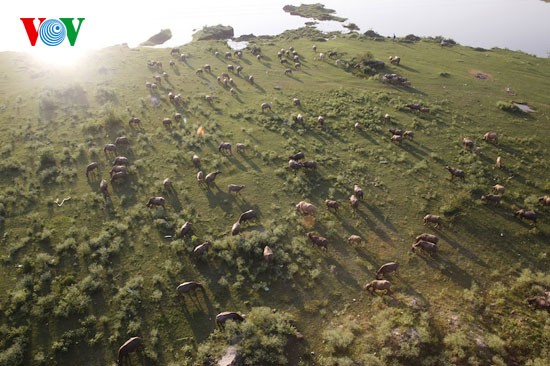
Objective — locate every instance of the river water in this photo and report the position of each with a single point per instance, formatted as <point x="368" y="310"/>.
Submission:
<point x="513" y="24"/>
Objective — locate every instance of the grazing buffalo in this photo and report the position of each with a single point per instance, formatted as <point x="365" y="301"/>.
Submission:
<point x="310" y="164"/>
<point x="202" y="248"/>
<point x="131" y="345"/>
<point x="456" y="173"/>
<point x="527" y="215"/>
<point x="200" y="177"/>
<point x="355" y="239"/>
<point x="266" y="106"/>
<point x="235" y="188"/>
<point x="185" y="229"/>
<point x="268" y="253"/>
<point x="425" y="246"/>
<point x="432" y="219"/>
<point x="168" y="185"/>
<point x="211" y="177"/>
<point x="156" y="201"/>
<point x="298" y="156"/>
<point x="121" y="160"/>
<point x="247" y="216"/>
<point x="331" y="204"/>
<point x="196" y="160"/>
<point x="306" y="208"/>
<point x="354" y="202"/>
<point x="491" y="137"/>
<point x="294" y="165"/>
<point x="236" y="228"/>
<point x="188" y="287"/>
<point x="134" y="122"/>
<point x="225" y="147"/>
<point x="378" y="285"/>
<point x="118" y="169"/>
<point x="545" y="200"/>
<point x="357" y="191"/>
<point x="119" y="176"/>
<point x="103" y="188"/>
<point x="494" y="198"/>
<point x="386" y="268"/>
<point x="92" y="167"/>
<point x="167" y="123"/>
<point x="426" y="237"/>
<point x="221" y="318"/>
<point x="122" y="140"/>
<point x="318" y="240"/>
<point x="109" y="149"/>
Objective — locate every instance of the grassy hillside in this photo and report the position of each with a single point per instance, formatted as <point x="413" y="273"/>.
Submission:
<point x="80" y="279"/>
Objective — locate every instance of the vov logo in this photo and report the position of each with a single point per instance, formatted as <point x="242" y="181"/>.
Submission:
<point x="52" y="31"/>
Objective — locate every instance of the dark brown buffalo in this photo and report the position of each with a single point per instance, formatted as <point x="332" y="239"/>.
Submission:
<point x="119" y="176"/>
<point x="297" y="156"/>
<point x="247" y="216"/>
<point x="318" y="240"/>
<point x="156" y="201"/>
<point x="386" y="268"/>
<point x="121" y="160"/>
<point x="202" y="248"/>
<point x="456" y="173"/>
<point x="188" y="287"/>
<point x="221" y="318"/>
<point x="357" y="191"/>
<point x="425" y="246"/>
<point x="236" y="228"/>
<point x="527" y="215"/>
<point x="117" y="169"/>
<point x="91" y="168"/>
<point x="131" y="345"/>
<point x="185" y="229"/>
<point x="427" y="237"/>
<point x="104" y="188"/>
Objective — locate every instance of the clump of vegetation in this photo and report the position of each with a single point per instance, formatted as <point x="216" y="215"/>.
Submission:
<point x="508" y="106"/>
<point x="261" y="339"/>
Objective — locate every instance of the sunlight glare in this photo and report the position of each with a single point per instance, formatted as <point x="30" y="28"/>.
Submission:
<point x="58" y="56"/>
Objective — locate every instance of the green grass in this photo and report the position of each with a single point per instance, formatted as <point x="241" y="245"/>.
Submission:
<point x="80" y="279"/>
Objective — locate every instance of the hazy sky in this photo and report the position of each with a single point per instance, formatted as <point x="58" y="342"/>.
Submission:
<point x="513" y="24"/>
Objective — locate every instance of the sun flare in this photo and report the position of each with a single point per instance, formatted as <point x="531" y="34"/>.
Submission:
<point x="58" y="56"/>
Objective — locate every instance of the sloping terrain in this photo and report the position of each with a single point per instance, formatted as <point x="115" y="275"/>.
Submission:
<point x="80" y="279"/>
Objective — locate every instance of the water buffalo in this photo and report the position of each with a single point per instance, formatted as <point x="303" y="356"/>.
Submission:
<point x="331" y="204"/>
<point x="202" y="248"/>
<point x="235" y="188"/>
<point x="168" y="185"/>
<point x="122" y="140"/>
<point x="426" y="237"/>
<point x="196" y="160"/>
<point x="318" y="240"/>
<point x="121" y="160"/>
<point x="268" y="253"/>
<point x="92" y="167"/>
<point x="432" y="219"/>
<point x="491" y="137"/>
<point x="185" y="229"/>
<point x="386" y="268"/>
<point x="225" y="147"/>
<point x="294" y="165"/>
<point x="131" y="345"/>
<point x="425" y="246"/>
<point x="354" y="239"/>
<point x="545" y="200"/>
<point x="104" y="188"/>
<point x="118" y="169"/>
<point x="211" y="177"/>
<point x="357" y="191"/>
<point x="134" y="122"/>
<point x="306" y="208"/>
<point x="156" y="201"/>
<point x="200" y="177"/>
<point x="221" y="318"/>
<point x="354" y="202"/>
<point x="109" y="149"/>
<point x="188" y="287"/>
<point x="247" y="216"/>
<point x="494" y="198"/>
<point x="236" y="228"/>
<point x="266" y="106"/>
<point x="378" y="285"/>
<point x="119" y="176"/>
<point x="456" y="173"/>
<point x="527" y="215"/>
<point x="298" y="156"/>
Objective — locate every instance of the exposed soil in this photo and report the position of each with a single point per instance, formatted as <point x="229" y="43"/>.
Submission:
<point x="480" y="75"/>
